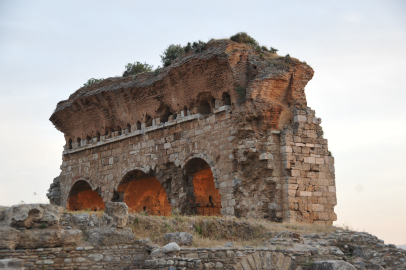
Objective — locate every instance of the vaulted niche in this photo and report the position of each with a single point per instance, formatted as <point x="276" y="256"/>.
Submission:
<point x="163" y="113"/>
<point x="143" y="193"/>
<point x="203" y="197"/>
<point x="82" y="197"/>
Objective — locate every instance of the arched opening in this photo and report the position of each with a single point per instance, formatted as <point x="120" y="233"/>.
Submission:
<point x="88" y="139"/>
<point x="226" y="99"/>
<point x="203" y="197"/>
<point x="78" y="140"/>
<point x="82" y="197"/>
<point x="143" y="193"/>
<point x="128" y="129"/>
<point x="70" y="144"/>
<point x="98" y="136"/>
<point x="119" y="131"/>
<point x="184" y="111"/>
<point x="148" y="121"/>
<point x="204" y="107"/>
<point x="138" y="125"/>
<point x="163" y="113"/>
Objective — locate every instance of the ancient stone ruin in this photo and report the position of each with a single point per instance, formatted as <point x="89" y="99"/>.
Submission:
<point x="226" y="131"/>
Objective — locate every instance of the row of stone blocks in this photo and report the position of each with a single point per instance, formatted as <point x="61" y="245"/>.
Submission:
<point x="125" y="133"/>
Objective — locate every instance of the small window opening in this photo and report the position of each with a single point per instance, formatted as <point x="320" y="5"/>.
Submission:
<point x="128" y="128"/>
<point x="78" y="141"/>
<point x="204" y="108"/>
<point x="70" y="144"/>
<point x="138" y="125"/>
<point x="98" y="136"/>
<point x="226" y="99"/>
<point x="148" y="120"/>
<point x="119" y="131"/>
<point x="88" y="139"/>
<point x="185" y="111"/>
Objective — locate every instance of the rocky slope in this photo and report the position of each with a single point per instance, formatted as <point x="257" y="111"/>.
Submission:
<point x="38" y="226"/>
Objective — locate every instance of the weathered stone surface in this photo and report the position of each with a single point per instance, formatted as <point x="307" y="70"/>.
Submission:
<point x="49" y="238"/>
<point x="119" y="212"/>
<point x="11" y="263"/>
<point x="332" y="265"/>
<point x="110" y="236"/>
<point x="181" y="238"/>
<point x="171" y="247"/>
<point x="81" y="219"/>
<point x="9" y="238"/>
<point x="27" y="215"/>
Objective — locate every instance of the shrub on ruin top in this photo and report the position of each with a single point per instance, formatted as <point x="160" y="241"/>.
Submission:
<point x="171" y="53"/>
<point x="136" y="68"/>
<point x="175" y="51"/>
<point x="92" y="81"/>
<point x="243" y="37"/>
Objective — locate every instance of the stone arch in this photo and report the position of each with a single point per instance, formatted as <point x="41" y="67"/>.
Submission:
<point x="83" y="196"/>
<point x="203" y="198"/>
<point x="208" y="160"/>
<point x="266" y="260"/>
<point x="204" y="103"/>
<point x="142" y="192"/>
<point x="163" y="113"/>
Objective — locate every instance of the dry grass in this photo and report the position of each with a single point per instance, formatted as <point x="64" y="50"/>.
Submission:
<point x="87" y="211"/>
<point x="217" y="231"/>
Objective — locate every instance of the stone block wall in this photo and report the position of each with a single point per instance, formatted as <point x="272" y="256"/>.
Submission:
<point x="309" y="190"/>
<point x="138" y="256"/>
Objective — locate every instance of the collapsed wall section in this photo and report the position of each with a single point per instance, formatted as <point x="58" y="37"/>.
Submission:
<point x="309" y="190"/>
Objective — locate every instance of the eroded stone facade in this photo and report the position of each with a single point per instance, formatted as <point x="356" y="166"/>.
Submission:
<point x="256" y="152"/>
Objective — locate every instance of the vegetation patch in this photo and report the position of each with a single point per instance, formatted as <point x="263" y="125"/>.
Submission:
<point x="92" y="81"/>
<point x="212" y="231"/>
<point x="136" y="68"/>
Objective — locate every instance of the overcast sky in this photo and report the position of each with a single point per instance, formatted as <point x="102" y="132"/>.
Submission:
<point x="48" y="49"/>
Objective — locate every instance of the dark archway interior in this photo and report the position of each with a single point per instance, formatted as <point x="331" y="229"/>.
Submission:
<point x="163" y="113"/>
<point x="148" y="121"/>
<point x="204" y="107"/>
<point x="226" y="99"/>
<point x="82" y="197"/>
<point x="204" y="198"/>
<point x="143" y="193"/>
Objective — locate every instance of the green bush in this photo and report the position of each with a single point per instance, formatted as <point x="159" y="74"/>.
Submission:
<point x="241" y="91"/>
<point x="92" y="81"/>
<point x="136" y="68"/>
<point x="264" y="49"/>
<point x="243" y="37"/>
<point x="171" y="53"/>
<point x="273" y="50"/>
<point x="198" y="46"/>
